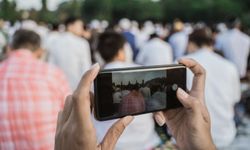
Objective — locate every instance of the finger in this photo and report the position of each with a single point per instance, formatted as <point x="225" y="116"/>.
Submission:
<point x="115" y="132"/>
<point x="81" y="96"/>
<point x="187" y="101"/>
<point x="67" y="108"/>
<point x="160" y="118"/>
<point x="199" y="76"/>
<point x="59" y="123"/>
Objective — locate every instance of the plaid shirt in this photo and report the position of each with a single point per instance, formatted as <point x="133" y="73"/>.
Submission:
<point x="132" y="103"/>
<point x="31" y="94"/>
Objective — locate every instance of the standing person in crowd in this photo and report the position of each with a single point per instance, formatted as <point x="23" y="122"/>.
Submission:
<point x="125" y="26"/>
<point x="133" y="102"/>
<point x="179" y="39"/>
<point x="219" y="33"/>
<point x="145" y="91"/>
<point x="222" y="86"/>
<point x="31" y="94"/>
<point x="71" y="52"/>
<point x="52" y="37"/>
<point x="140" y="134"/>
<point x="155" y="52"/>
<point x="236" y="45"/>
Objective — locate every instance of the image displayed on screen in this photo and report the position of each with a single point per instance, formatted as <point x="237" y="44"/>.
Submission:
<point x="139" y="91"/>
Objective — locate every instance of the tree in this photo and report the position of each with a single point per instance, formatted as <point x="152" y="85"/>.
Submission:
<point x="6" y="10"/>
<point x="97" y="9"/>
<point x="66" y="9"/>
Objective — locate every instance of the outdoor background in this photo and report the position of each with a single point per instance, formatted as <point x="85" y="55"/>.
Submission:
<point x="209" y="11"/>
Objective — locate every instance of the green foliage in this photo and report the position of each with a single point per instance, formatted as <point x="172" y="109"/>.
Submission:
<point x="99" y="9"/>
<point x="7" y="10"/>
<point x="141" y="10"/>
<point x="137" y="9"/>
<point x="114" y="10"/>
<point x="206" y="10"/>
<point x="66" y="9"/>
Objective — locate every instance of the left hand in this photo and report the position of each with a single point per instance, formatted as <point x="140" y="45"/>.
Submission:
<point x="75" y="129"/>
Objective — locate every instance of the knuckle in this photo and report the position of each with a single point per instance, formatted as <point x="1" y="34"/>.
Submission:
<point x="118" y="129"/>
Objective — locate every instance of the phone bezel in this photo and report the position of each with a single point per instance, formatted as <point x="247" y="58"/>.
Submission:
<point x="129" y="69"/>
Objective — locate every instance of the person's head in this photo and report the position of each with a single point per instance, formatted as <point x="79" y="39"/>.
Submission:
<point x="178" y="25"/>
<point x="55" y="27"/>
<point x="234" y="22"/>
<point x="111" y="46"/>
<point x="27" y="39"/>
<point x="152" y="36"/>
<point x="135" y="87"/>
<point x="125" y="24"/>
<point x="74" y="25"/>
<point x="199" y="38"/>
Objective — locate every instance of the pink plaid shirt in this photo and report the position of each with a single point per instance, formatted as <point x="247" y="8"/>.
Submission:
<point x="132" y="103"/>
<point x="31" y="94"/>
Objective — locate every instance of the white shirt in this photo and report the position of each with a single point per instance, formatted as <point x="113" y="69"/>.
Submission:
<point x="155" y="52"/>
<point x="178" y="42"/>
<point x="117" y="97"/>
<point x="218" y="40"/>
<point x="235" y="46"/>
<point x="50" y="39"/>
<point x="72" y="54"/>
<point x="128" y="53"/>
<point x="141" y="38"/>
<point x="139" y="135"/>
<point x="222" y="91"/>
<point x="145" y="92"/>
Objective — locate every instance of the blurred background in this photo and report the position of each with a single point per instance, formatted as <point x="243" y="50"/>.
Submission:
<point x="51" y="11"/>
<point x="74" y="34"/>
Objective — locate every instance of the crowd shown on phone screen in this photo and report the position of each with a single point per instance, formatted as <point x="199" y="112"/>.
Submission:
<point x="141" y="95"/>
<point x="40" y="64"/>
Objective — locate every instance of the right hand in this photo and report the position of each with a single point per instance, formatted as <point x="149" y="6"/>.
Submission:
<point x="190" y="125"/>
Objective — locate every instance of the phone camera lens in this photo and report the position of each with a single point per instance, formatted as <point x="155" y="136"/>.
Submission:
<point x="174" y="87"/>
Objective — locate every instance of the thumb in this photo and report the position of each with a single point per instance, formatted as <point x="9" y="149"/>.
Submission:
<point x="184" y="98"/>
<point x="81" y="95"/>
<point x="115" y="132"/>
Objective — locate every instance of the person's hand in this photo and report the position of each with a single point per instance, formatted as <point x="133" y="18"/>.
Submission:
<point x="75" y="129"/>
<point x="190" y="125"/>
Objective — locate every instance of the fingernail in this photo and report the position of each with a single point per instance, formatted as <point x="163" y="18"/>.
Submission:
<point x="182" y="93"/>
<point x="179" y="60"/>
<point x="95" y="69"/>
<point x="127" y="120"/>
<point x="160" y="121"/>
<point x="95" y="66"/>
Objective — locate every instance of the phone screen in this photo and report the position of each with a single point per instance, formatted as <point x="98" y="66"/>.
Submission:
<point x="131" y="92"/>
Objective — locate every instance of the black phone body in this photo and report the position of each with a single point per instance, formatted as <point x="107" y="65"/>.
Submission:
<point x="137" y="90"/>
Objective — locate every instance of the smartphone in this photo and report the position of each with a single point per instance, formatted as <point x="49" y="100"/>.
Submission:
<point x="138" y="90"/>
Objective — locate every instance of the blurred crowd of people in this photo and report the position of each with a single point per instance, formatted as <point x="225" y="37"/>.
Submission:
<point x="41" y="63"/>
